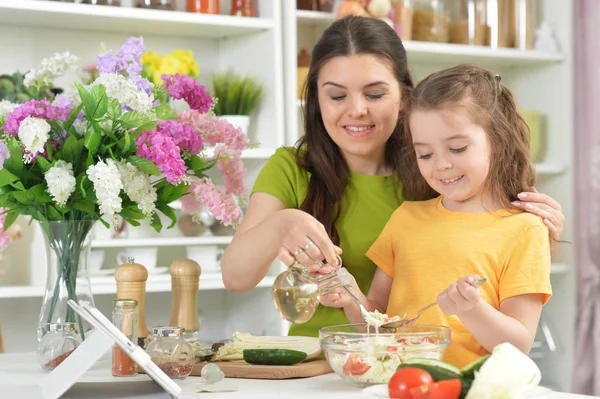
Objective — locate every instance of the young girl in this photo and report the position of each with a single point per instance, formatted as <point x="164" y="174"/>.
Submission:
<point x="466" y="157"/>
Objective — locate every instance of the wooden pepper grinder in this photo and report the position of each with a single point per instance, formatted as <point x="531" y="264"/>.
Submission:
<point x="131" y="284"/>
<point x="185" y="278"/>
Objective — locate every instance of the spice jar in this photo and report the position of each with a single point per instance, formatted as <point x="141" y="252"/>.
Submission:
<point x="157" y="4"/>
<point x="124" y="317"/>
<point x="430" y="21"/>
<point x="242" y="8"/>
<point x="469" y="22"/>
<point x="203" y="6"/>
<point x="57" y="343"/>
<point x="171" y="352"/>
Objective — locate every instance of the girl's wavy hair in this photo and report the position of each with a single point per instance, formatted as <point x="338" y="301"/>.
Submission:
<point x="316" y="151"/>
<point x="489" y="105"/>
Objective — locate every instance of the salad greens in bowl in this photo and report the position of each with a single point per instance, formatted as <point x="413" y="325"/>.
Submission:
<point x="363" y="357"/>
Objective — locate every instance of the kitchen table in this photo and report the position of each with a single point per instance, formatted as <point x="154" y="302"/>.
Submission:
<point x="98" y="383"/>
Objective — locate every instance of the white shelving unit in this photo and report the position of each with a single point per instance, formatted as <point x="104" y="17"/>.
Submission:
<point x="540" y="81"/>
<point x="34" y="29"/>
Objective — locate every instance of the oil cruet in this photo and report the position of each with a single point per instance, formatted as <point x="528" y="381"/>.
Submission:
<point x="297" y="293"/>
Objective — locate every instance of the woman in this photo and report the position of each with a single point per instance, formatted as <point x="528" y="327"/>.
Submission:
<point x="336" y="190"/>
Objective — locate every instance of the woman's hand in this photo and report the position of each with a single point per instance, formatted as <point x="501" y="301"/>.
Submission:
<point x="545" y="207"/>
<point x="459" y="297"/>
<point x="303" y="239"/>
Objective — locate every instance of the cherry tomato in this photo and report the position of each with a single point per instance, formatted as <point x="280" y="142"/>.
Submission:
<point x="406" y="378"/>
<point x="355" y="365"/>
<point x="447" y="389"/>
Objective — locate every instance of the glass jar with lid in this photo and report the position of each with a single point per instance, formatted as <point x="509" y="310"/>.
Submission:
<point x="57" y="343"/>
<point x="124" y="317"/>
<point x="469" y="22"/>
<point x="157" y="4"/>
<point x="430" y="21"/>
<point x="171" y="352"/>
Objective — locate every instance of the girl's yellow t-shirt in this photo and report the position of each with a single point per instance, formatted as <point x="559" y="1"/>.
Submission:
<point x="425" y="247"/>
<point x="367" y="204"/>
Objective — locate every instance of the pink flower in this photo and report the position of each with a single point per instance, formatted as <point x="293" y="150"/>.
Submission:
<point x="218" y="202"/>
<point x="230" y="163"/>
<point x="37" y="108"/>
<point x="182" y="135"/>
<point x="187" y="88"/>
<point x="214" y="130"/>
<point x="4" y="236"/>
<point x="162" y="150"/>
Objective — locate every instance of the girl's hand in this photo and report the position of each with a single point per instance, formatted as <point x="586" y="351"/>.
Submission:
<point x="459" y="297"/>
<point x="303" y="239"/>
<point x="545" y="207"/>
<point x="339" y="298"/>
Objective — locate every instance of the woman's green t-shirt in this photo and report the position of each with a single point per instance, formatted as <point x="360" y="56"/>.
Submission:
<point x="368" y="203"/>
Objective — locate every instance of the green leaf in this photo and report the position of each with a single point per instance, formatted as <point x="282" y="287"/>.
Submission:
<point x="199" y="164"/>
<point x="133" y="119"/>
<point x="15" y="164"/>
<point x="146" y="127"/>
<point x="43" y="164"/>
<point x="165" y="112"/>
<point x="100" y="100"/>
<point x="11" y="217"/>
<point x="170" y="213"/>
<point x="145" y="165"/>
<point x="92" y="140"/>
<point x="156" y="223"/>
<point x="7" y="200"/>
<point x="71" y="151"/>
<point x="115" y="110"/>
<point x="85" y="206"/>
<point x="24" y="197"/>
<point x="170" y="193"/>
<point x="72" y="116"/>
<point x="40" y="194"/>
<point x="18" y="185"/>
<point x="7" y="178"/>
<point x="53" y="214"/>
<point x="86" y="100"/>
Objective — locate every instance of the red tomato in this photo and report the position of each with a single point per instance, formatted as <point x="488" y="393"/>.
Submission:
<point x="355" y="365"/>
<point x="447" y="389"/>
<point x="406" y="378"/>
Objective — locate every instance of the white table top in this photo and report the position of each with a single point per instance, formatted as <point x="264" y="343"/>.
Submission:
<point x="98" y="383"/>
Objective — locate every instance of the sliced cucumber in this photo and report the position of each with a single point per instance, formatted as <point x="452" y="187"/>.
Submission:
<point x="469" y="370"/>
<point x="276" y="357"/>
<point x="438" y="369"/>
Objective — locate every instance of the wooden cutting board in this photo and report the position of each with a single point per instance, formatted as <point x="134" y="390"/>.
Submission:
<point x="309" y="368"/>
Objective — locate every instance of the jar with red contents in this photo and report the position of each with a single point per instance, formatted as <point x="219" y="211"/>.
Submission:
<point x="242" y="8"/>
<point x="203" y="6"/>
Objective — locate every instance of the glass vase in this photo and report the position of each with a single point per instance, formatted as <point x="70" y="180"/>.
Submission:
<point x="67" y="251"/>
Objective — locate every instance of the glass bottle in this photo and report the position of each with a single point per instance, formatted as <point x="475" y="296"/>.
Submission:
<point x="58" y="341"/>
<point x="158" y="4"/>
<point x="501" y="23"/>
<point x="242" y="8"/>
<point x="469" y="22"/>
<point x="171" y="352"/>
<point x="124" y="317"/>
<point x="430" y="21"/>
<point x="524" y="23"/>
<point x="203" y="6"/>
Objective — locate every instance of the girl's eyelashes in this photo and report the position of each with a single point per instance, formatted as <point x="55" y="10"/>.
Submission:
<point x="425" y="156"/>
<point x="375" y="96"/>
<point x="457" y="150"/>
<point x="337" y="98"/>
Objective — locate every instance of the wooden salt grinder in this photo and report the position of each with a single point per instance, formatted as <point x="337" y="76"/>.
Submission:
<point x="185" y="278"/>
<point x="131" y="284"/>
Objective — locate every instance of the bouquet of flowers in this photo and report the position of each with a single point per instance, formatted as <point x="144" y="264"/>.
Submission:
<point x="111" y="148"/>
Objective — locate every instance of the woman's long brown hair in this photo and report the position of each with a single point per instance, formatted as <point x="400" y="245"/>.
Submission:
<point x="489" y="105"/>
<point x="316" y="151"/>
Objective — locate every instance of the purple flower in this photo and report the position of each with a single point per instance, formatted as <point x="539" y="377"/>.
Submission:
<point x="127" y="61"/>
<point x="182" y="135"/>
<point x="187" y="88"/>
<point x="37" y="108"/>
<point x="107" y="63"/>
<point x="4" y="154"/>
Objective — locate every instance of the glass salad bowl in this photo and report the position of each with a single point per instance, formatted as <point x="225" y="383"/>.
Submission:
<point x="363" y="357"/>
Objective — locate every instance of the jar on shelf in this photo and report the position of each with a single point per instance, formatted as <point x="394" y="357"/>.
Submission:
<point x="430" y="21"/>
<point x="57" y="343"/>
<point x="124" y="317"/>
<point x="310" y="5"/>
<point x="242" y="8"/>
<point x="158" y="4"/>
<point x="501" y="22"/>
<point x="171" y="352"/>
<point x="469" y="22"/>
<point x="525" y="21"/>
<point x="103" y="2"/>
<point x="402" y="18"/>
<point x="203" y="6"/>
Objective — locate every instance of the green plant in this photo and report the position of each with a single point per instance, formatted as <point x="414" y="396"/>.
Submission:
<point x="236" y="95"/>
<point x="13" y="89"/>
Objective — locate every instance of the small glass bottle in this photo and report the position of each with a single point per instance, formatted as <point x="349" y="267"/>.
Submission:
<point x="242" y="8"/>
<point x="171" y="352"/>
<point x="430" y="21"/>
<point x="203" y="6"/>
<point x="469" y="22"/>
<point x="57" y="343"/>
<point x="124" y="317"/>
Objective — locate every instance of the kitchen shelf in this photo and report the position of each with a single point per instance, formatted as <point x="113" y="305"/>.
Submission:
<point x="85" y="17"/>
<point x="107" y="285"/>
<point x="161" y="242"/>
<point x="249" y="154"/>
<point x="448" y="53"/>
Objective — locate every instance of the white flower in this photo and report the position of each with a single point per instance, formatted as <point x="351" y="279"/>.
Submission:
<point x="61" y="182"/>
<point x="33" y="133"/>
<point x="107" y="185"/>
<point x="6" y="107"/>
<point x="125" y="91"/>
<point x="50" y="69"/>
<point x="138" y="187"/>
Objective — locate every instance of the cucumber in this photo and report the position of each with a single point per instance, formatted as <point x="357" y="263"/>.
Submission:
<point x="466" y="385"/>
<point x="276" y="357"/>
<point x="438" y="369"/>
<point x="469" y="370"/>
